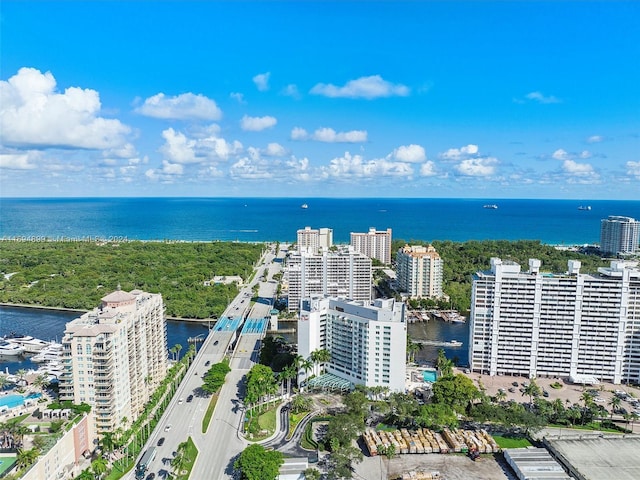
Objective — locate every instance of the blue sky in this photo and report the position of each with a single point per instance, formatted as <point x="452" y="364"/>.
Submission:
<point x="320" y="99"/>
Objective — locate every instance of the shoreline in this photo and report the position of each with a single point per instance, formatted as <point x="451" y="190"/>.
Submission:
<point x="80" y="311"/>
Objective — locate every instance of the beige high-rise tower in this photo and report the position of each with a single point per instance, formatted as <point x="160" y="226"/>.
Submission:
<point x="115" y="356"/>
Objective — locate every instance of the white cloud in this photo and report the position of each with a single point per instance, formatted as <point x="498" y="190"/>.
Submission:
<point x="477" y="167"/>
<point x="560" y="154"/>
<point x="633" y="168"/>
<point x="298" y="133"/>
<point x="574" y="168"/>
<point x="34" y="114"/>
<point x="354" y="166"/>
<point x="16" y="161"/>
<point x="186" y="106"/>
<point x="595" y="139"/>
<point x="428" y="169"/>
<point x="541" y="98"/>
<point x="370" y="87"/>
<point x="207" y="145"/>
<point x="274" y="150"/>
<point x="291" y="91"/>
<point x="585" y="154"/>
<point x="262" y="81"/>
<point x="410" y="153"/>
<point x="248" y="169"/>
<point x="329" y="135"/>
<point x="460" y="153"/>
<point x="178" y="148"/>
<point x="256" y="124"/>
<point x="239" y="97"/>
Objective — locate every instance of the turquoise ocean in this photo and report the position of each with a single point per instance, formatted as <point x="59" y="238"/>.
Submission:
<point x="278" y="219"/>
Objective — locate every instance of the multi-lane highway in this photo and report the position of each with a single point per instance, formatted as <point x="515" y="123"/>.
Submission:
<point x="221" y="444"/>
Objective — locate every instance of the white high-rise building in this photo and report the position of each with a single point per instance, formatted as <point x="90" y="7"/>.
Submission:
<point x="115" y="356"/>
<point x="419" y="271"/>
<point x="344" y="273"/>
<point x="374" y="244"/>
<point x="314" y="240"/>
<point x="582" y="326"/>
<point x="619" y="235"/>
<point x="367" y="341"/>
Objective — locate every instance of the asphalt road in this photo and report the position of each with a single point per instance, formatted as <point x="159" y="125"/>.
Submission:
<point x="221" y="444"/>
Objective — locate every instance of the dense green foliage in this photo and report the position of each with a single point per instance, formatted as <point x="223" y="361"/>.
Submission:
<point x="214" y="378"/>
<point x="77" y="274"/>
<point x="257" y="463"/>
<point x="463" y="259"/>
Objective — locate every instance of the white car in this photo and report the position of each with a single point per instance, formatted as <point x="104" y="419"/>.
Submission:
<point x="167" y="428"/>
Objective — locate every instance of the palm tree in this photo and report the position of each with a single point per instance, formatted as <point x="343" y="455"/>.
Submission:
<point x="99" y="466"/>
<point x="21" y="374"/>
<point x="4" y="381"/>
<point x="25" y="458"/>
<point x="324" y="356"/>
<point x="501" y="395"/>
<point x="615" y="404"/>
<point x="287" y="374"/>
<point x="180" y="461"/>
<point x="173" y="351"/>
<point x="588" y="401"/>
<point x="178" y="347"/>
<point x="41" y="382"/>
<point x="412" y="349"/>
<point x="85" y="475"/>
<point x="443" y="364"/>
<point x="532" y="389"/>
<point x="108" y="443"/>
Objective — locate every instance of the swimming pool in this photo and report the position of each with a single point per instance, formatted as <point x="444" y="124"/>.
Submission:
<point x="12" y="401"/>
<point x="429" y="376"/>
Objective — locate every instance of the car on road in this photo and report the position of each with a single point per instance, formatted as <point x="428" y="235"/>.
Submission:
<point x="151" y="476"/>
<point x="207" y="363"/>
<point x="161" y="442"/>
<point x="189" y="398"/>
<point x="167" y="428"/>
<point x="180" y="401"/>
<point x="515" y="384"/>
<point x="216" y="342"/>
<point x="545" y="393"/>
<point x="512" y="390"/>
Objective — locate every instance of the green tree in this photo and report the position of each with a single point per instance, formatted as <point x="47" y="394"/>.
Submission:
<point x="443" y="364"/>
<point x="256" y="463"/>
<point x="344" y="428"/>
<point x="41" y="382"/>
<point x="312" y="474"/>
<point x="24" y="458"/>
<point x="215" y="376"/>
<point x="614" y="403"/>
<point x="458" y="391"/>
<point x="180" y="459"/>
<point x="301" y="403"/>
<point x="532" y="389"/>
<point x="85" y="474"/>
<point x="99" y="466"/>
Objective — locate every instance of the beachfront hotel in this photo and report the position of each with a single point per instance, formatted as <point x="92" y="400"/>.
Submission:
<point x="314" y="241"/>
<point x="585" y="327"/>
<point x="374" y="244"/>
<point x="419" y="271"/>
<point x="343" y="273"/>
<point x="619" y="235"/>
<point x="367" y="341"/>
<point x="115" y="356"/>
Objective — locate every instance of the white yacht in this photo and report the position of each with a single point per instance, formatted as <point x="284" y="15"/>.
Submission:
<point x="10" y="349"/>
<point x="30" y="344"/>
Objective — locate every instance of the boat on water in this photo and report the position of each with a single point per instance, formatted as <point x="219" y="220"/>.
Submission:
<point x="10" y="349"/>
<point x="30" y="344"/>
<point x="584" y="207"/>
<point x="491" y="206"/>
<point x="304" y="206"/>
<point x="51" y="352"/>
<point x="438" y="343"/>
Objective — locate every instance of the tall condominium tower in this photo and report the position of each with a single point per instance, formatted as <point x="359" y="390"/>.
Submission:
<point x="419" y="271"/>
<point x="344" y="273"/>
<point x="115" y="356"/>
<point x="619" y="235"/>
<point x="314" y="240"/>
<point x="367" y="341"/>
<point x="582" y="326"/>
<point x="373" y="244"/>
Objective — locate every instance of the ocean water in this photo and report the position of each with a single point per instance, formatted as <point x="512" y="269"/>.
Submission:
<point x="278" y="219"/>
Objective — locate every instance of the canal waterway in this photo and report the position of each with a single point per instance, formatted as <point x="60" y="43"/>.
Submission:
<point x="49" y="325"/>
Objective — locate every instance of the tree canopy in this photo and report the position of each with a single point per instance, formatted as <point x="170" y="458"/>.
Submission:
<point x="78" y="274"/>
<point x="257" y="463"/>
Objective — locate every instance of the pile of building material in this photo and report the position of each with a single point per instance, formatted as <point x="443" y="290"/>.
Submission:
<point x="424" y="440"/>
